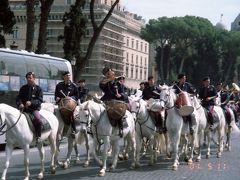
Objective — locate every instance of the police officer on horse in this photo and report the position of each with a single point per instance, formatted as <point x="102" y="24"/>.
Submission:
<point x="112" y="91"/>
<point x="64" y="89"/>
<point x="208" y="94"/>
<point x="29" y="100"/>
<point x="152" y="91"/>
<point x="180" y="86"/>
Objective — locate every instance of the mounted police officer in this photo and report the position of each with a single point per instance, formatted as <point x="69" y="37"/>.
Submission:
<point x="112" y="91"/>
<point x="29" y="100"/>
<point x="225" y="97"/>
<point x="152" y="91"/>
<point x="67" y="89"/>
<point x="208" y="94"/>
<point x="180" y="86"/>
<point x="82" y="90"/>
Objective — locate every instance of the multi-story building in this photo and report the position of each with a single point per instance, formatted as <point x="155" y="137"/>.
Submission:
<point x="118" y="45"/>
<point x="235" y="26"/>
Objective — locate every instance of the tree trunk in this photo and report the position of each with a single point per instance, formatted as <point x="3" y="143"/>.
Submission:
<point x="81" y="62"/>
<point x="30" y="25"/>
<point x="42" y="37"/>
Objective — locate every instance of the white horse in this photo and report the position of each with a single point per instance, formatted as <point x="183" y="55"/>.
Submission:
<point x="102" y="130"/>
<point x="81" y="135"/>
<point x="19" y="134"/>
<point x="176" y="126"/>
<point x="145" y="127"/>
<point x="201" y="126"/>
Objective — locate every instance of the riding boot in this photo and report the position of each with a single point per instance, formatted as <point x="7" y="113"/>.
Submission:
<point x="38" y="132"/>
<point x="210" y="121"/>
<point x="120" y="124"/>
<point x="73" y="133"/>
<point x="191" y="128"/>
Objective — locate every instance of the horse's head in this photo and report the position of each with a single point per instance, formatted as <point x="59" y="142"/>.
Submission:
<point x="2" y="118"/>
<point x="167" y="96"/>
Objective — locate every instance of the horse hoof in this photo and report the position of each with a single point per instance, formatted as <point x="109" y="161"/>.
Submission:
<point x="120" y="157"/>
<point x="26" y="178"/>
<point x="219" y="155"/>
<point x="77" y="161"/>
<point x="174" y="168"/>
<point x="190" y="162"/>
<point x="102" y="173"/>
<point x="126" y="157"/>
<point x="65" y="165"/>
<point x="138" y="165"/>
<point x="111" y="169"/>
<point x="40" y="176"/>
<point x="86" y="164"/>
<point x="53" y="170"/>
<point x="198" y="159"/>
<point x="207" y="156"/>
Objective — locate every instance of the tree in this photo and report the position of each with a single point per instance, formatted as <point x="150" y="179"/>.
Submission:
<point x="30" y="25"/>
<point x="75" y="26"/>
<point x="7" y="20"/>
<point x="42" y="37"/>
<point x="81" y="61"/>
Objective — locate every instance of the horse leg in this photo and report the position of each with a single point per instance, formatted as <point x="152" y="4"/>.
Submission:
<point x="26" y="161"/>
<point x="228" y="134"/>
<point x="54" y="154"/>
<point x="8" y="151"/>
<point x="132" y="141"/>
<point x="220" y="139"/>
<point x="138" y="149"/>
<point x="42" y="157"/>
<point x="105" y="155"/>
<point x="116" y="149"/>
<point x="152" y="151"/>
<point x="200" y="135"/>
<point x="71" y="144"/>
<point x="77" y="161"/>
<point x="175" y="145"/>
<point x="86" y="163"/>
<point x="209" y="134"/>
<point x="94" y="149"/>
<point x="168" y="154"/>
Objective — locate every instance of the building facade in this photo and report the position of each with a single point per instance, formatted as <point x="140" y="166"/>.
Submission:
<point x="235" y="26"/>
<point x="118" y="46"/>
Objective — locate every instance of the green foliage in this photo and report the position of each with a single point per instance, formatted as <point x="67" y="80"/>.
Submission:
<point x="74" y="30"/>
<point x="196" y="47"/>
<point x="7" y="19"/>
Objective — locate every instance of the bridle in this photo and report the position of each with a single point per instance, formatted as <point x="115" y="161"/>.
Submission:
<point x="166" y="101"/>
<point x="2" y="126"/>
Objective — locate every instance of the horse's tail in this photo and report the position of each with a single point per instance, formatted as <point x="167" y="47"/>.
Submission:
<point x="234" y="127"/>
<point x="161" y="143"/>
<point x="80" y="138"/>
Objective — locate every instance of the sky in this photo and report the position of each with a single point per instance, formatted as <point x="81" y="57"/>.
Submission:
<point x="209" y="9"/>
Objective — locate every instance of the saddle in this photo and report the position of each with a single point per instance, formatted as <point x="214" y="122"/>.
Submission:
<point x="212" y="116"/>
<point x="45" y="126"/>
<point x="116" y="111"/>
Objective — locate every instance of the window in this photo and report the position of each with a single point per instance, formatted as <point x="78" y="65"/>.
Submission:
<point x="69" y="2"/>
<point x="15" y="33"/>
<point x="127" y="57"/>
<point x="136" y="59"/>
<point x="132" y="59"/>
<point x="132" y="43"/>
<point x="137" y="44"/>
<point x="127" y="42"/>
<point x="145" y="47"/>
<point x="141" y="46"/>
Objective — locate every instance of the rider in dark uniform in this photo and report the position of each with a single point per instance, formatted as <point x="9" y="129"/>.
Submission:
<point x="208" y="94"/>
<point x="225" y="97"/>
<point x="64" y="89"/>
<point x="112" y="91"/>
<point x="152" y="91"/>
<point x="82" y="90"/>
<point x="182" y="85"/>
<point x="29" y="100"/>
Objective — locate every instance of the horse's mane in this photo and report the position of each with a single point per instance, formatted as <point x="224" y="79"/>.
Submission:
<point x="6" y="107"/>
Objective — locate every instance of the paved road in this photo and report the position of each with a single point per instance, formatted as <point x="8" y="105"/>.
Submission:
<point x="225" y="168"/>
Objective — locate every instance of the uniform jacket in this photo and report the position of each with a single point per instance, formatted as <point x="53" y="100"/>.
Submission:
<point x="63" y="90"/>
<point x="151" y="92"/>
<point x="187" y="87"/>
<point x="205" y="92"/>
<point x="30" y="93"/>
<point x="82" y="92"/>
